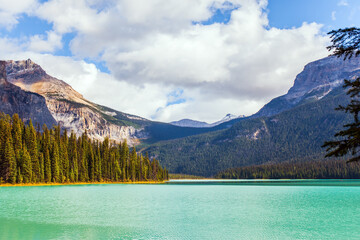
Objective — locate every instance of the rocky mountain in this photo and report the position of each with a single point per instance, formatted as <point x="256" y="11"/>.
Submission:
<point x="190" y="123"/>
<point x="317" y="80"/>
<point x="227" y="118"/>
<point x="175" y="145"/>
<point x="290" y="128"/>
<point x="27" y="104"/>
<point x="294" y="135"/>
<point x="75" y="113"/>
<point x="69" y="108"/>
<point x="198" y="124"/>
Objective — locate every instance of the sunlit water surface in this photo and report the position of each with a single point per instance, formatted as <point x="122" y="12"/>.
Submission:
<point x="307" y="209"/>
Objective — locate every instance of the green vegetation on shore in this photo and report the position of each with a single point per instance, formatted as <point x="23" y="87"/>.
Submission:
<point x="30" y="156"/>
<point x="184" y="176"/>
<point x="330" y="169"/>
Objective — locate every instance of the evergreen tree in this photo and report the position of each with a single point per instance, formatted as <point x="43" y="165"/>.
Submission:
<point x="55" y="162"/>
<point x="350" y="141"/>
<point x="26" y="170"/>
<point x="346" y="43"/>
<point x="47" y="166"/>
<point x="97" y="173"/>
<point x="133" y="158"/>
<point x="105" y="159"/>
<point x="140" y="168"/>
<point x="91" y="164"/>
<point x="31" y="143"/>
<point x="73" y="158"/>
<point x="42" y="167"/>
<point x="16" y="131"/>
<point x="124" y="156"/>
<point x="9" y="162"/>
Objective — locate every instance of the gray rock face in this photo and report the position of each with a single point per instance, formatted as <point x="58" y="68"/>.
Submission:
<point x="28" y="105"/>
<point x="68" y="107"/>
<point x="3" y="73"/>
<point x="317" y="80"/>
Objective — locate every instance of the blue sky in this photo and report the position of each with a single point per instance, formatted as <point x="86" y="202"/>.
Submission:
<point x="283" y="14"/>
<point x="333" y="14"/>
<point x="180" y="60"/>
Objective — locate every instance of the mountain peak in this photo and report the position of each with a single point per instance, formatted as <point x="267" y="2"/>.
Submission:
<point x="31" y="77"/>
<point x="26" y="104"/>
<point x="317" y="80"/>
<point x="26" y="70"/>
<point x="229" y="116"/>
<point x="198" y="124"/>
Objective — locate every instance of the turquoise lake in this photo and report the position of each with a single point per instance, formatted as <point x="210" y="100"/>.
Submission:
<point x="292" y="209"/>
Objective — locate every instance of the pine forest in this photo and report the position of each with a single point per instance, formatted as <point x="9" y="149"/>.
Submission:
<point x="321" y="169"/>
<point x="28" y="155"/>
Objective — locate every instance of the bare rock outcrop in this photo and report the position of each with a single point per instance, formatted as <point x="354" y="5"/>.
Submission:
<point x="68" y="107"/>
<point x="27" y="104"/>
<point x="317" y="80"/>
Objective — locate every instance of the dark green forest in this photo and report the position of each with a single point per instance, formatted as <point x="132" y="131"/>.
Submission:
<point x="28" y="155"/>
<point x="330" y="169"/>
<point x="295" y="135"/>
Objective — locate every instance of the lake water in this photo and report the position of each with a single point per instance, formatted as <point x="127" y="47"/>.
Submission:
<point x="307" y="209"/>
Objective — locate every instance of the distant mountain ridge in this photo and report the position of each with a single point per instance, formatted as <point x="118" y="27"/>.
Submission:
<point x="294" y="135"/>
<point x="199" y="124"/>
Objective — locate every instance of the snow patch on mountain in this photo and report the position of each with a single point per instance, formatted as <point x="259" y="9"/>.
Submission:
<point x="199" y="124"/>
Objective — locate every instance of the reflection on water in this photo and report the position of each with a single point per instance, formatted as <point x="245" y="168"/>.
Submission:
<point x="272" y="182"/>
<point x="271" y="209"/>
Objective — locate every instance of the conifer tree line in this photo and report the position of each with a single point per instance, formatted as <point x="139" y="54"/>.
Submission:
<point x="33" y="156"/>
<point x="330" y="169"/>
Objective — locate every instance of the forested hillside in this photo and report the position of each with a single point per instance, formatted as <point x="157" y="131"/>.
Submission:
<point x="30" y="156"/>
<point x="295" y="135"/>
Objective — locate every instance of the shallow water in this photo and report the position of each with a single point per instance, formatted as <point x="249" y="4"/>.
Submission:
<point x="265" y="209"/>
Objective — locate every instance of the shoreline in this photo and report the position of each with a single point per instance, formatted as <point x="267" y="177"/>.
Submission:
<point x="75" y="183"/>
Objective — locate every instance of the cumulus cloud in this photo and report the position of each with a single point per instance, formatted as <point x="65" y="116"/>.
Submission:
<point x="154" y="48"/>
<point x="10" y="11"/>
<point x="40" y="43"/>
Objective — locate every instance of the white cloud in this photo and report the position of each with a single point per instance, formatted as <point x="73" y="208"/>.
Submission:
<point x="11" y="10"/>
<point x="343" y="3"/>
<point x="152" y="49"/>
<point x="333" y="15"/>
<point x="38" y="43"/>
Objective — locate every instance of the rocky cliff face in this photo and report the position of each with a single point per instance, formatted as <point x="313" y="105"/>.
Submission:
<point x="68" y="107"/>
<point x="28" y="105"/>
<point x="316" y="80"/>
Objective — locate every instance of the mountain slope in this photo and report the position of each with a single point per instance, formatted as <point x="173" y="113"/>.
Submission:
<point x="75" y="113"/>
<point x="26" y="104"/>
<point x="291" y="127"/>
<point x="293" y="135"/>
<point x="317" y="80"/>
<point x="69" y="108"/>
